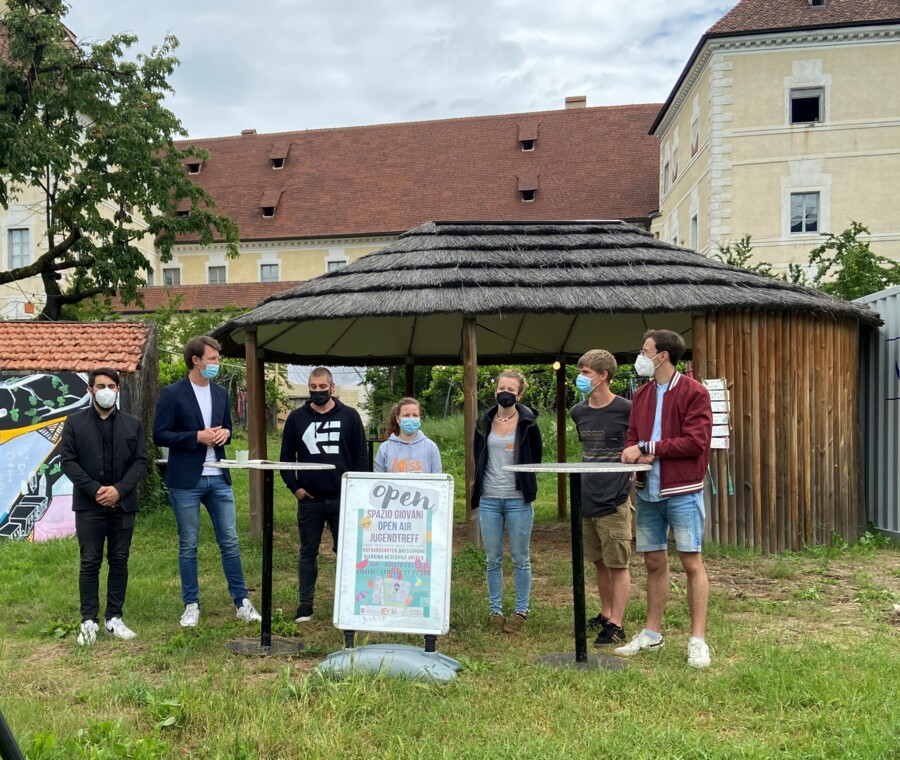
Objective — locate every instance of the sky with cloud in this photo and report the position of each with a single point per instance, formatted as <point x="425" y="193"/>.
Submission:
<point x="283" y="65"/>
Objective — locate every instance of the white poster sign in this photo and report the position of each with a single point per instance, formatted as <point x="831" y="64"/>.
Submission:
<point x="394" y="553"/>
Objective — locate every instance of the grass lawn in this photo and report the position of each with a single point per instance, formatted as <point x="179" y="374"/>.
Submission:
<point x="806" y="661"/>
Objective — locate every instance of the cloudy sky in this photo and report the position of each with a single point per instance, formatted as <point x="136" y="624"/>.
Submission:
<point x="280" y="65"/>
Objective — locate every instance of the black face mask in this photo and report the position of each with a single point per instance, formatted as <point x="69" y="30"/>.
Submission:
<point x="319" y="398"/>
<point x="506" y="399"/>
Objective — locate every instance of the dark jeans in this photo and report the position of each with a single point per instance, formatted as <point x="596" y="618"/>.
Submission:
<point x="312" y="514"/>
<point x="94" y="527"/>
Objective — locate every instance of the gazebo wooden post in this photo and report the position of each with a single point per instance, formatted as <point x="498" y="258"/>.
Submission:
<point x="410" y="388"/>
<point x="561" y="495"/>
<point x="256" y="427"/>
<point x="470" y="410"/>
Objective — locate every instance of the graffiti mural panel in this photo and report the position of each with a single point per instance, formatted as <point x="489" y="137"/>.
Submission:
<point x="35" y="496"/>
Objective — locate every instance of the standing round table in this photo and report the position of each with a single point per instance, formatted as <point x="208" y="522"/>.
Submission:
<point x="265" y="645"/>
<point x="576" y="469"/>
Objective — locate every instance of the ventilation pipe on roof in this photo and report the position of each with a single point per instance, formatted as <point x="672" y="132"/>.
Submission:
<point x="576" y="101"/>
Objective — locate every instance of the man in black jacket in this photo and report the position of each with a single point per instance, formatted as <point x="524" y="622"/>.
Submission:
<point x="104" y="454"/>
<point x="323" y="431"/>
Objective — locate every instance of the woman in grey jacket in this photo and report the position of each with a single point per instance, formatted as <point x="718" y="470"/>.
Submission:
<point x="407" y="449"/>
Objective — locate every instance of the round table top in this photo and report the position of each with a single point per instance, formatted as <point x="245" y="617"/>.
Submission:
<point x="577" y="467"/>
<point x="266" y="464"/>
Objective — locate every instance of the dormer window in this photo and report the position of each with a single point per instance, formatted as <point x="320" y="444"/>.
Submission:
<point x="528" y="134"/>
<point x="279" y="155"/>
<point x="817" y="3"/>
<point x="528" y="187"/>
<point x="193" y="167"/>
<point x="269" y="202"/>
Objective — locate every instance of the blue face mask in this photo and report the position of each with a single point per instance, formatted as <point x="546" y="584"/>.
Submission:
<point x="209" y="371"/>
<point x="410" y="425"/>
<point x="584" y="384"/>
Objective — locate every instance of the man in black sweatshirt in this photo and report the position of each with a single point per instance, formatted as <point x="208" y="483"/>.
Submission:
<point x="324" y="431"/>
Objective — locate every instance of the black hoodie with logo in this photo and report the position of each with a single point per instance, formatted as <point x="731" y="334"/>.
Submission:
<point x="336" y="437"/>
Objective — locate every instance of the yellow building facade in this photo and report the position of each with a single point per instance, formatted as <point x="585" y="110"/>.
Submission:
<point x="783" y="136"/>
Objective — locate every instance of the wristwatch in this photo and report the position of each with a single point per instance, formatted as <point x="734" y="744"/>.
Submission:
<point x="642" y="445"/>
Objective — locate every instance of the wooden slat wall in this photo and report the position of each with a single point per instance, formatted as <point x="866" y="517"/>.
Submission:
<point x="795" y="443"/>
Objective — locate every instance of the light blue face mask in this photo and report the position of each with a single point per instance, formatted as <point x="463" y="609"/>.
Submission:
<point x="584" y="384"/>
<point x="410" y="425"/>
<point x="209" y="371"/>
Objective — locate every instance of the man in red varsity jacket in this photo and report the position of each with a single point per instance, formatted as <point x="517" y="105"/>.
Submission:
<point x="670" y="428"/>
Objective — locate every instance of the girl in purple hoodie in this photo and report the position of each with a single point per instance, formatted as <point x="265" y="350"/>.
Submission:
<point x="406" y="448"/>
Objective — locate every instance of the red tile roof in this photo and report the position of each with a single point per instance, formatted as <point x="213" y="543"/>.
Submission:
<point x="593" y="163"/>
<point x="244" y="295"/>
<point x="767" y="15"/>
<point x="750" y="17"/>
<point x="75" y="346"/>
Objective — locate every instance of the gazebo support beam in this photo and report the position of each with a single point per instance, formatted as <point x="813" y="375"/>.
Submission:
<point x="410" y="378"/>
<point x="256" y="428"/>
<point x="561" y="414"/>
<point x="470" y="410"/>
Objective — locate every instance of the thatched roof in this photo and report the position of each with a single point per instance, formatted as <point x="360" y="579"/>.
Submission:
<point x="539" y="290"/>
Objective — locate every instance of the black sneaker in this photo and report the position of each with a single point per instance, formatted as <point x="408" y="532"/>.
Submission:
<point x="611" y="635"/>
<point x="304" y="613"/>
<point x="601" y="621"/>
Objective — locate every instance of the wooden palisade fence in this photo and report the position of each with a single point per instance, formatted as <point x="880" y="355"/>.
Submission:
<point x="795" y="456"/>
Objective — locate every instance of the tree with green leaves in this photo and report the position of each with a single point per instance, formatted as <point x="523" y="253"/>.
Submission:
<point x="86" y="126"/>
<point x="848" y="268"/>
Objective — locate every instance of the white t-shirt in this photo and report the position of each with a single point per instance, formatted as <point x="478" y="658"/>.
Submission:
<point x="204" y="399"/>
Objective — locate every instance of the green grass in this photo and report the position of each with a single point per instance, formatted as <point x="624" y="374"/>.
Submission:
<point x="805" y="661"/>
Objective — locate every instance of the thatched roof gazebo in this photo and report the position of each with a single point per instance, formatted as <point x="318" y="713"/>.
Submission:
<point x="448" y="292"/>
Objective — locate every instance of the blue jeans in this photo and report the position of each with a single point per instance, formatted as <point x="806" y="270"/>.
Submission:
<point x="218" y="498"/>
<point x="684" y="514"/>
<point x="518" y="517"/>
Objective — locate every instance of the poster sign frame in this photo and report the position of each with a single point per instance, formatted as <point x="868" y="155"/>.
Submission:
<point x="395" y="552"/>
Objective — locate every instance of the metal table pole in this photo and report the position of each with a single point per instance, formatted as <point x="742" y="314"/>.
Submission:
<point x="578" y="567"/>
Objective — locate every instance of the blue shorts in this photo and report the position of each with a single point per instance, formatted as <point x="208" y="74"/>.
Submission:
<point x="684" y="514"/>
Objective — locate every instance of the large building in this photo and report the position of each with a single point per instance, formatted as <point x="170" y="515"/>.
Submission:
<point x="312" y="201"/>
<point x="784" y="125"/>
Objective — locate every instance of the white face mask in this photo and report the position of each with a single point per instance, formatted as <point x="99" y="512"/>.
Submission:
<point x="105" y="398"/>
<point x="644" y="366"/>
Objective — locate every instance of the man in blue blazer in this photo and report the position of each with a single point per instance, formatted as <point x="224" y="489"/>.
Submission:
<point x="193" y="419"/>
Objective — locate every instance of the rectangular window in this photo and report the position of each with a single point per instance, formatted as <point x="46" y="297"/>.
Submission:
<point x="807" y="106"/>
<point x="695" y="231"/>
<point x="666" y="177"/>
<point x="804" y="212"/>
<point x="19" y="249"/>
<point x="695" y="137"/>
<point x="150" y="279"/>
<point x="333" y="266"/>
<point x="268" y="272"/>
<point x="216" y="275"/>
<point x="171" y="276"/>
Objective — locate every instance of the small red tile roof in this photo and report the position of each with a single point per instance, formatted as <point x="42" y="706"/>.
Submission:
<point x="74" y="346"/>
<point x="244" y="295"/>
<point x="593" y="163"/>
<point x="771" y="15"/>
<point x="751" y="17"/>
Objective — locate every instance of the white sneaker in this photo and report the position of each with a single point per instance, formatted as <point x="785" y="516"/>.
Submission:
<point x="639" y="643"/>
<point x="247" y="612"/>
<point x="191" y="615"/>
<point x="87" y="634"/>
<point x="115" y="627"/>
<point x="698" y="653"/>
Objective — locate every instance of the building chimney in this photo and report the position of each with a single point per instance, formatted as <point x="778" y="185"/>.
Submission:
<point x="576" y="101"/>
<point x="248" y="131"/>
